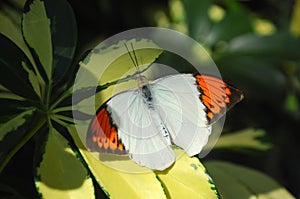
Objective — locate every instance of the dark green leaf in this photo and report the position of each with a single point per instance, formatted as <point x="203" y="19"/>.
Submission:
<point x="279" y="46"/>
<point x="13" y="75"/>
<point x="14" y="122"/>
<point x="63" y="34"/>
<point x="16" y="139"/>
<point x="235" y="23"/>
<point x="11" y="107"/>
<point x="253" y="77"/>
<point x="197" y="18"/>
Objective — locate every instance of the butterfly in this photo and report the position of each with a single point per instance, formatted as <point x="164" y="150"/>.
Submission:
<point x="146" y="122"/>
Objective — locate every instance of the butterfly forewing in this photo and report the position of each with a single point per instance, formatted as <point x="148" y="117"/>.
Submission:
<point x="177" y="99"/>
<point x="217" y="96"/>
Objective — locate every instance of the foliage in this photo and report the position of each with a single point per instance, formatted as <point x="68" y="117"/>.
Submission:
<point x="254" y="49"/>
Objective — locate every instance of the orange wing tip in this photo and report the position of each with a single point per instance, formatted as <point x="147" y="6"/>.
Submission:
<point x="217" y="96"/>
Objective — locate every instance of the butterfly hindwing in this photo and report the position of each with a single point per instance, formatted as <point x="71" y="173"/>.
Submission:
<point x="103" y="134"/>
<point x="136" y="131"/>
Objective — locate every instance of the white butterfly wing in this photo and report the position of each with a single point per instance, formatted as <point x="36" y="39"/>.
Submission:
<point x="177" y="101"/>
<point x="138" y="131"/>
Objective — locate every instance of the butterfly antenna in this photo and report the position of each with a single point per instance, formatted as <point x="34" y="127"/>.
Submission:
<point x="135" y="57"/>
<point x="134" y="61"/>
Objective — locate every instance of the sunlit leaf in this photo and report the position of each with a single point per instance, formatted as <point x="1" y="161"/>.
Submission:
<point x="119" y="183"/>
<point x="60" y="174"/>
<point x="235" y="182"/>
<point x="187" y="178"/>
<point x="112" y="69"/>
<point x="263" y="27"/>
<point x="295" y="27"/>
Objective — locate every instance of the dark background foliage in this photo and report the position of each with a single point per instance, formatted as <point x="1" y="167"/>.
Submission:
<point x="267" y="70"/>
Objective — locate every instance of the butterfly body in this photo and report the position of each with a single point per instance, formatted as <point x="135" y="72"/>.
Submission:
<point x="146" y="95"/>
<point x="173" y="110"/>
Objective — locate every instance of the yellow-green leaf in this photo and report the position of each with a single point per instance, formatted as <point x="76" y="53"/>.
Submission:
<point x="244" y="139"/>
<point x="295" y="27"/>
<point x="113" y="65"/>
<point x="61" y="174"/>
<point x="33" y="79"/>
<point x="187" y="178"/>
<point x="37" y="33"/>
<point x="235" y="182"/>
<point x="120" y="184"/>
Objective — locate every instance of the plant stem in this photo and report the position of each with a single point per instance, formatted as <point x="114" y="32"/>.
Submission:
<point x="61" y="109"/>
<point x="61" y="117"/>
<point x="65" y="95"/>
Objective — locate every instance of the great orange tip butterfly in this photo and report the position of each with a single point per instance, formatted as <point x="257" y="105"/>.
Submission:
<point x="145" y="122"/>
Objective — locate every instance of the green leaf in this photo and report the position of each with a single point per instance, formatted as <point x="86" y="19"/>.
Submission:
<point x="37" y="33"/>
<point x="10" y="26"/>
<point x="60" y="174"/>
<point x="15" y="140"/>
<point x="9" y="95"/>
<point x="10" y="107"/>
<point x="295" y="27"/>
<point x="117" y="183"/>
<point x="235" y="182"/>
<point x="279" y="46"/>
<point x="116" y="73"/>
<point x="12" y="74"/>
<point x="33" y="79"/>
<point x="197" y="18"/>
<point x="187" y="178"/>
<point x="236" y="22"/>
<point x="14" y="123"/>
<point x="246" y="139"/>
<point x="251" y="73"/>
<point x="63" y="35"/>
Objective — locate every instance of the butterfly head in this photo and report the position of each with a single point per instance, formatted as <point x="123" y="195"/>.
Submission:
<point x="141" y="81"/>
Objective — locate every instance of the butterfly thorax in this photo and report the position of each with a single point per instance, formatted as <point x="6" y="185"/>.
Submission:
<point x="145" y="91"/>
<point x="141" y="81"/>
